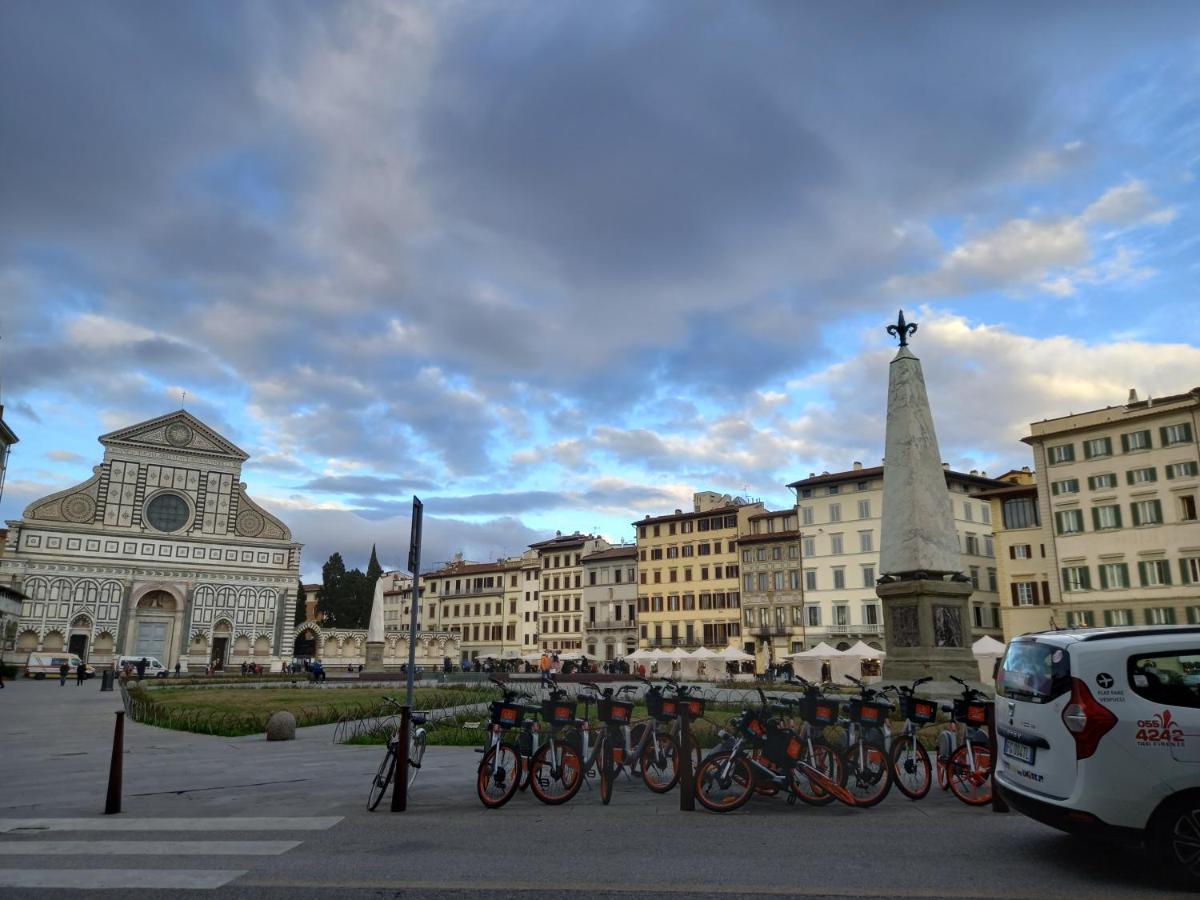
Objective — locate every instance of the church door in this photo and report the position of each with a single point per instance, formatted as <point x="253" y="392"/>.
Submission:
<point x="78" y="645"/>
<point x="151" y="641"/>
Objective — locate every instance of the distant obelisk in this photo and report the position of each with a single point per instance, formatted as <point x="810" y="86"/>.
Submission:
<point x="925" y="597"/>
<point x="374" y="661"/>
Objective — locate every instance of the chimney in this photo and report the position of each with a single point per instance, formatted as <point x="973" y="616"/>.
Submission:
<point x="946" y="466"/>
<point x="679" y="512"/>
<point x="974" y="471"/>
<point x="1024" y="468"/>
<point x="857" y="466"/>
<point x="1132" y="395"/>
<point x="558" y="534"/>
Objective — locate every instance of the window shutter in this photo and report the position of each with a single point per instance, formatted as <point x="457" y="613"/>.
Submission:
<point x="1129" y="476"/>
<point x="1095" y="518"/>
<point x="1191" y="615"/>
<point x="1166" y="572"/>
<point x="1162" y="435"/>
<point x="1143" y="577"/>
<point x="1013" y="588"/>
<point x="1149" y="618"/>
<point x="1103" y="577"/>
<point x="1170" y="615"/>
<point x="1170" y="472"/>
<point x="1108" y="617"/>
<point x="1086" y="581"/>
<point x="1187" y="431"/>
<point x="1065" y="583"/>
<point x="1125" y="575"/>
<point x="1046" y="593"/>
<point x="1124" y="443"/>
<point x="1117" y="513"/>
<point x="1185" y="577"/>
<point x="1154" y="473"/>
<point x="1091" y="482"/>
<point x="1033" y="590"/>
<point x="1158" y="516"/>
<point x="1012" y="552"/>
<point x="1137" y="519"/>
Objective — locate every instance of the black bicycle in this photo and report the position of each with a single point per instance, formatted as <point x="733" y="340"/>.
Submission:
<point x="387" y="768"/>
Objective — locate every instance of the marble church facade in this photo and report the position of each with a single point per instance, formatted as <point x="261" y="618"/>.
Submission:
<point x="160" y="553"/>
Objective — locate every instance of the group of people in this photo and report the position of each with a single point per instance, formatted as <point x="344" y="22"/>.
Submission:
<point x="64" y="670"/>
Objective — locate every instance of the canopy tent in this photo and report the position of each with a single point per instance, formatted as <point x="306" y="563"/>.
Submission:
<point x="639" y="655"/>
<point x="987" y="650"/>
<point x="821" y="651"/>
<point x="865" y="651"/>
<point x="808" y="664"/>
<point x="532" y="657"/>
<point x="704" y="653"/>
<point x="733" y="654"/>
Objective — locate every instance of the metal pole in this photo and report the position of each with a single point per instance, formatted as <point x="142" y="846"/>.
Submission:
<point x="112" y="803"/>
<point x="400" y="787"/>
<point x="687" y="783"/>
<point x="412" y="637"/>
<point x="999" y="804"/>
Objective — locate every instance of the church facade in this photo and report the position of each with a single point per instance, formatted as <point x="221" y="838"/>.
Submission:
<point x="159" y="553"/>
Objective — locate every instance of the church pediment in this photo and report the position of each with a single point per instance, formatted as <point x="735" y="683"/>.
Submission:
<point x="178" y="432"/>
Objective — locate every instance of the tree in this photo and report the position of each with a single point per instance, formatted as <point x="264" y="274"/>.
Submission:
<point x="333" y="573"/>
<point x="301" y="604"/>
<point x="374" y="569"/>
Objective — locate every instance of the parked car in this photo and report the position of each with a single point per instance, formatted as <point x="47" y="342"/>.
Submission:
<point x="154" y="669"/>
<point x="1099" y="734"/>
<point x="41" y="664"/>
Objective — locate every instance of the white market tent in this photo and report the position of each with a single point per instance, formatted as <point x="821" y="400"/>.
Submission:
<point x="987" y="650"/>
<point x="707" y="663"/>
<point x="640" y="655"/>
<point x="807" y="663"/>
<point x="733" y="654"/>
<point x="865" y="651"/>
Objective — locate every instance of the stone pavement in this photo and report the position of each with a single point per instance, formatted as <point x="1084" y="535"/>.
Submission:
<point x="241" y="817"/>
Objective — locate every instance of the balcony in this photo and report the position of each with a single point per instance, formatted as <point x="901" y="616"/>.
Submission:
<point x="611" y="625"/>
<point x="770" y="631"/>
<point x="851" y="629"/>
<point x="668" y="642"/>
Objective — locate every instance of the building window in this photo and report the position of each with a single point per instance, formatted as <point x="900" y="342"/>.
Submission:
<point x="778" y="580"/>
<point x="1147" y="512"/>
<point x="776" y="553"/>
<point x="1187" y="508"/>
<point x="1076" y="578"/>
<point x="1097" y="447"/>
<point x="813" y="614"/>
<point x="989" y="548"/>
<point x="865" y="542"/>
<point x="835" y="544"/>
<point x="1066" y="486"/>
<point x="1135" y="441"/>
<point x="1102" y="482"/>
<point x="1025" y="593"/>
<point x="1021" y="551"/>
<point x="864" y="509"/>
<point x="810" y="547"/>
<point x="806" y="515"/>
<point x="1160" y="615"/>
<point x="1141" y="476"/>
<point x="972" y="545"/>
<point x="1154" y="573"/>
<point x="835" y="489"/>
<point x="1183" y="470"/>
<point x="977" y="615"/>
<point x="839" y="579"/>
<point x="975" y="577"/>
<point x="1080" y="618"/>
<point x="968" y="513"/>
<point x="1106" y="517"/>
<point x="1114" y="575"/>
<point x="762" y="581"/>
<point x="810" y="580"/>
<point x="1020" y="512"/>
<point x="870" y="613"/>
<point x="992" y="586"/>
<point x="745" y="556"/>
<point x="1176" y="434"/>
<point x="841" y="615"/>
<point x="1118" y="617"/>
<point x="794" y="579"/>
<point x="1069" y="521"/>
<point x="1061" y="453"/>
<point x="868" y="576"/>
<point x="793" y="551"/>
<point x="835" y="512"/>
<point x="1189" y="569"/>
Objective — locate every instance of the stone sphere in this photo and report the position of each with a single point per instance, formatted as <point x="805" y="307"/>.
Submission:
<point x="281" y="726"/>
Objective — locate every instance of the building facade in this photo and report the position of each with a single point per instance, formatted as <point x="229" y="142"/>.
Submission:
<point x="610" y="601"/>
<point x="468" y="599"/>
<point x="1116" y="508"/>
<point x="689" y="582"/>
<point x="161" y="552"/>
<point x="561" y="559"/>
<point x="772" y="588"/>
<point x="839" y="516"/>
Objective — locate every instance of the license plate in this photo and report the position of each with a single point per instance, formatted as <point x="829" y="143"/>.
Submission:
<point x="1017" y="750"/>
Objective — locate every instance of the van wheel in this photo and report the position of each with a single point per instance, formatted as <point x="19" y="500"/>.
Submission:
<point x="1175" y="837"/>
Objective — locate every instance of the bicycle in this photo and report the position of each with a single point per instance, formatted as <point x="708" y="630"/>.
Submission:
<point x="909" y="759"/>
<point x="503" y="765"/>
<point x="868" y="769"/>
<point x="556" y="767"/>
<point x="608" y="753"/>
<point x="966" y="768"/>
<point x="817" y="713"/>
<point x="417" y="738"/>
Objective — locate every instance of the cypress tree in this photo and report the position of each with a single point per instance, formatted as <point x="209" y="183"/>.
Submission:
<point x="301" y="602"/>
<point x="374" y="569"/>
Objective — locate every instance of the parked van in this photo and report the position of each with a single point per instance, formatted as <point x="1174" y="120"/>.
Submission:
<point x="154" y="669"/>
<point x="39" y="665"/>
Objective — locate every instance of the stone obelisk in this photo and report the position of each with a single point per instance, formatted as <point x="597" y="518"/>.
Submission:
<point x="374" y="662"/>
<point x="925" y="597"/>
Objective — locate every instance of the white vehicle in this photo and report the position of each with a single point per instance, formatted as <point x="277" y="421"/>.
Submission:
<point x="154" y="669"/>
<point x="39" y="664"/>
<point x="1098" y="733"/>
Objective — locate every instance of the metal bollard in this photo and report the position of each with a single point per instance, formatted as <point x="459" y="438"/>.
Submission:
<point x="687" y="781"/>
<point x="106" y="680"/>
<point x="999" y="804"/>
<point x="400" y="787"/>
<point x="112" y="803"/>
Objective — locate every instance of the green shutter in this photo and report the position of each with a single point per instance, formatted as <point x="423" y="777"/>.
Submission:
<point x="1170" y="470"/>
<point x="1103" y="577"/>
<point x="1137" y="519"/>
<point x="1086" y="581"/>
<point x="1166" y="572"/>
<point x="1091" y="482"/>
<point x="1054" y="488"/>
<point x="1153" y="470"/>
<point x="1142" y="576"/>
<point x="1125" y="582"/>
<point x="1185" y="577"/>
<point x="1162" y="435"/>
<point x="1146" y="613"/>
<point x="1124" y="443"/>
<point x="1129" y="476"/>
<point x="1065" y="581"/>
<point x="1095" y="518"/>
<point x="1170" y="615"/>
<point x="1187" y="431"/>
<point x="1191" y="615"/>
<point x="1108" y="617"/>
<point x="1158" y="516"/>
<point x="1117" y="514"/>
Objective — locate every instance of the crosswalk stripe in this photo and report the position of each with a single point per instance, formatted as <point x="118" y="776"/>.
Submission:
<point x="97" y="879"/>
<point x="145" y="823"/>
<point x="146" y="848"/>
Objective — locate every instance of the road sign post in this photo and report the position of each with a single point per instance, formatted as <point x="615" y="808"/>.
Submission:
<point x="414" y="566"/>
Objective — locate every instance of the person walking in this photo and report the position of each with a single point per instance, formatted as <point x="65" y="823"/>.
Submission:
<point x="176" y="668"/>
<point x="141" y="667"/>
<point x="1" y="671"/>
<point x="80" y="674"/>
<point x="544" y="667"/>
<point x="64" y="670"/>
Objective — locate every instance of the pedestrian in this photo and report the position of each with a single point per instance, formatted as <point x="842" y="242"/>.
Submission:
<point x="176" y="668"/>
<point x="141" y="667"/>
<point x="544" y="667"/>
<point x="64" y="669"/>
<point x="80" y="674"/>
<point x="826" y="672"/>
<point x="1" y="671"/>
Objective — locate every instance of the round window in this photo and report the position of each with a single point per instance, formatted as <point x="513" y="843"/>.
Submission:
<point x="168" y="512"/>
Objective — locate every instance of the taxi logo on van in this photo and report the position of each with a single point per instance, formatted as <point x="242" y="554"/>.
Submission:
<point x="1161" y="731"/>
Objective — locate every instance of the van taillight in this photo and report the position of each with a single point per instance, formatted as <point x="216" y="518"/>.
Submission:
<point x="1086" y="719"/>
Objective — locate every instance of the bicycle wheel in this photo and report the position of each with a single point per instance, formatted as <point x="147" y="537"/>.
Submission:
<point x="635" y="738"/>
<point x="555" y="773"/>
<point x="660" y="763"/>
<point x="606" y="771"/>
<point x="382" y="778"/>
<point x="416" y="752"/>
<point x="868" y="772"/>
<point x="724" y="782"/>
<point x="762" y="786"/>
<point x="971" y="785"/>
<point x="828" y="761"/>
<point x="942" y="779"/>
<point x="525" y="750"/>
<point x="499" y="773"/>
<point x="910" y="767"/>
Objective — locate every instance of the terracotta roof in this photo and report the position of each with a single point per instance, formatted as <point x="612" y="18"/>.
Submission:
<point x="563" y="541"/>
<point x="777" y="512"/>
<point x="452" y="570"/>
<point x="1012" y="490"/>
<point x="675" y="517"/>
<point x="767" y="538"/>
<point x="627" y="552"/>
<point x="876" y="471"/>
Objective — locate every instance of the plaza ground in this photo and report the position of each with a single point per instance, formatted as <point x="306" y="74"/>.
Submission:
<point x="241" y="817"/>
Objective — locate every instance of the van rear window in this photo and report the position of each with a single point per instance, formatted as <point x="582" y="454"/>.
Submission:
<point x="1035" y="671"/>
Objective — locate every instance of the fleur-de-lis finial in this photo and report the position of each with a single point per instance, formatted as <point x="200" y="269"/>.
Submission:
<point x="902" y="329"/>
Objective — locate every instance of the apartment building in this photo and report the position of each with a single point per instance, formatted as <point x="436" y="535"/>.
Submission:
<point x="689" y="584"/>
<point x="469" y="601"/>
<point x="772" y="587"/>
<point x="561" y="564"/>
<point x="840" y="514"/>
<point x="1116" y="510"/>
<point x="521" y="599"/>
<point x="610" y="601"/>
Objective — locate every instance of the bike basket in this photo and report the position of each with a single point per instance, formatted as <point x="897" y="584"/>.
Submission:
<point x="867" y="713"/>
<point x="751" y="725"/>
<point x="972" y="712"/>
<point x="558" y="712"/>
<point x="918" y="711"/>
<point x="506" y="714"/>
<point x="693" y="705"/>
<point x="616" y="712"/>
<point x="819" y="711"/>
<point x="782" y="746"/>
<point x="664" y="709"/>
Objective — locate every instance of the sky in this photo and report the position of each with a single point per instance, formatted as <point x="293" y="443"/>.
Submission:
<point x="556" y="266"/>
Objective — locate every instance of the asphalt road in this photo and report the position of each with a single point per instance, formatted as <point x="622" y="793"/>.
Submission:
<point x="238" y="817"/>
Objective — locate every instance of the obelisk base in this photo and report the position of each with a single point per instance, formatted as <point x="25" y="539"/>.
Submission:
<point x="374" y="661"/>
<point x="927" y="628"/>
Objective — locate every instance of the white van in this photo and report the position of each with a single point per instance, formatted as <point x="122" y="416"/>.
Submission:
<point x="1099" y="734"/>
<point x="154" y="669"/>
<point x="41" y="664"/>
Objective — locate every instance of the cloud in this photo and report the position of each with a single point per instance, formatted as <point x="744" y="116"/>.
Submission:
<point x="64" y="456"/>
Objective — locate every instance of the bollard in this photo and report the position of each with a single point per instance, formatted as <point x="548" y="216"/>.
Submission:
<point x="106" y="680"/>
<point x="400" y="788"/>
<point x="687" y="780"/>
<point x="112" y="803"/>
<point x="999" y="804"/>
